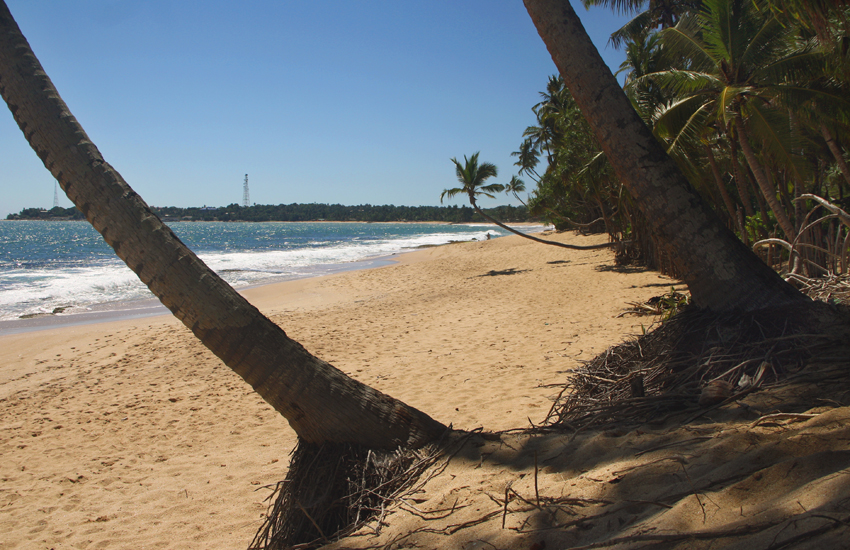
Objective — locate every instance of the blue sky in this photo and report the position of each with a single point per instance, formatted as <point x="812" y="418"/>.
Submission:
<point x="317" y="101"/>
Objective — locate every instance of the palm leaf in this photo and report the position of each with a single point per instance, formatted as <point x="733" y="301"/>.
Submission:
<point x="451" y="193"/>
<point x="774" y="132"/>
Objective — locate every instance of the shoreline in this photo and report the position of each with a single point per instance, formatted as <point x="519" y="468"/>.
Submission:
<point x="149" y="307"/>
<point x="130" y="433"/>
<point x="108" y="312"/>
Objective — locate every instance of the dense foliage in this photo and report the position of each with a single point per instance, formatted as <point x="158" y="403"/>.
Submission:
<point x="55" y="213"/>
<point x="306" y="212"/>
<point x="751" y="98"/>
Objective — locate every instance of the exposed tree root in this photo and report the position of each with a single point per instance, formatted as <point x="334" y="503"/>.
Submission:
<point x="332" y="490"/>
<point x="665" y="371"/>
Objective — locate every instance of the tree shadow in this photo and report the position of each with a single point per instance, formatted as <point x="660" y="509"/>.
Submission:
<point x="735" y="474"/>
<point x="510" y="271"/>
<point x="622" y="268"/>
<point x="725" y="481"/>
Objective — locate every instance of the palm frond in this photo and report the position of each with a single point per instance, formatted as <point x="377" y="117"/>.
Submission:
<point x="683" y="121"/>
<point x="618" y="6"/>
<point x="682" y="82"/>
<point x="631" y="30"/>
<point x="451" y="193"/>
<point x="492" y="188"/>
<point x="797" y="66"/>
<point x="774" y="132"/>
<point x="682" y="41"/>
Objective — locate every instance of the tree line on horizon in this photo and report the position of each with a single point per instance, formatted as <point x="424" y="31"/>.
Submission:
<point x="751" y="99"/>
<point x="306" y="212"/>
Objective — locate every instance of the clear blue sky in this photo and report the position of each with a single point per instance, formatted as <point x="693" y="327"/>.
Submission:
<point x="317" y="101"/>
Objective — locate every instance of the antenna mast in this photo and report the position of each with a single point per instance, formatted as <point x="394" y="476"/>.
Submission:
<point x="246" y="198"/>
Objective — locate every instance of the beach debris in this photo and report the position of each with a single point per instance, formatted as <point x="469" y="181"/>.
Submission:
<point x="334" y="490"/>
<point x="687" y="363"/>
<point x="716" y="391"/>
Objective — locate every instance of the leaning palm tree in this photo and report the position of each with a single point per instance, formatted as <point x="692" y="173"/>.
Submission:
<point x="721" y="273"/>
<point x="326" y="408"/>
<point x="320" y="402"/>
<point x="472" y="177"/>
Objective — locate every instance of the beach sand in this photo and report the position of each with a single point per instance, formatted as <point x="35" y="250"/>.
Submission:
<point x="130" y="434"/>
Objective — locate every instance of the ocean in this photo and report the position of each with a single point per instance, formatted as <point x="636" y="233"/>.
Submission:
<point x="64" y="268"/>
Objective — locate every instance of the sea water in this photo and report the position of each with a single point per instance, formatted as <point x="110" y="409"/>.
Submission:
<point x="64" y="268"/>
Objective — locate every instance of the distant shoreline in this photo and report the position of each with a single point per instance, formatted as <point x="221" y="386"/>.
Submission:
<point x="165" y="220"/>
<point x="305" y="212"/>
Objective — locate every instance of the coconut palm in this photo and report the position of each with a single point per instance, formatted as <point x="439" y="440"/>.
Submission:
<point x="738" y="61"/>
<point x="654" y="14"/>
<point x="472" y="177"/>
<point x="515" y="187"/>
<point x="527" y="159"/>
<point x="322" y="404"/>
<point x="721" y="273"/>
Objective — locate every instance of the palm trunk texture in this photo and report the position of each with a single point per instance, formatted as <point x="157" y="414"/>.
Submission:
<point x="721" y="187"/>
<point x="721" y="273"/>
<point x="321" y="403"/>
<point x="836" y="152"/>
<point x="767" y="190"/>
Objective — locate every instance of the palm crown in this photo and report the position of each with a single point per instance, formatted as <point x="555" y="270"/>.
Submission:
<point x="472" y="177"/>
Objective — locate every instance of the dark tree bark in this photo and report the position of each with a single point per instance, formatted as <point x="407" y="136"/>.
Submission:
<point x="721" y="273"/>
<point x="767" y="190"/>
<point x="320" y="402"/>
<point x="836" y="152"/>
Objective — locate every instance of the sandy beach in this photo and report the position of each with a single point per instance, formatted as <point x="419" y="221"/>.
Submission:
<point x="130" y="434"/>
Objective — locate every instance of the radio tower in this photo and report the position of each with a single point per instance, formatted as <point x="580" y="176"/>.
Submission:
<point x="55" y="194"/>
<point x="246" y="198"/>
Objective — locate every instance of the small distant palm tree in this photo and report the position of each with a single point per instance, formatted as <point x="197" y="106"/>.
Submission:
<point x="527" y="159"/>
<point x="472" y="176"/>
<point x="515" y="187"/>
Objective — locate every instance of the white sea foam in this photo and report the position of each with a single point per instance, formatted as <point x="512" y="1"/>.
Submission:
<point x="77" y="287"/>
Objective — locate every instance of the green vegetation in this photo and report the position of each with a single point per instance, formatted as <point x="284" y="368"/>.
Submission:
<point x="750" y="98"/>
<point x="55" y="213"/>
<point x="307" y="212"/>
<point x="472" y="176"/>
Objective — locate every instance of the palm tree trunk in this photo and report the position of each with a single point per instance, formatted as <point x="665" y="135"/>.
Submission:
<point x="836" y="152"/>
<point x="718" y="180"/>
<point x="721" y="273"/>
<point x="749" y="177"/>
<point x="320" y="402"/>
<point x="766" y="188"/>
<point x="531" y="237"/>
<point x="740" y="182"/>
